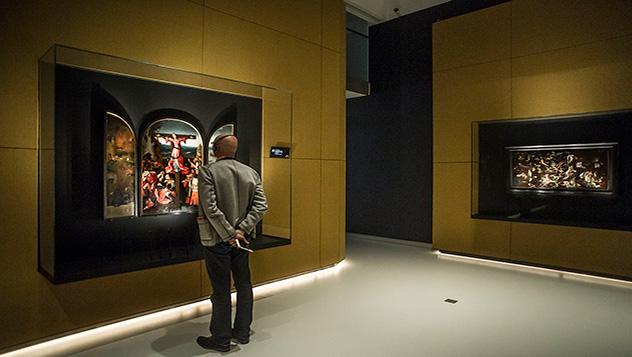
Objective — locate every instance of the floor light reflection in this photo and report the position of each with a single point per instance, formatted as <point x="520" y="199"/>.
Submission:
<point x="115" y="331"/>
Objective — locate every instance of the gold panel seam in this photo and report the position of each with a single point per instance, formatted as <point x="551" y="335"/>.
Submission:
<point x="307" y="158"/>
<point x="265" y="26"/>
<point x="320" y="197"/>
<point x="20" y="148"/>
<point x="322" y="29"/>
<point x="322" y="74"/>
<point x="587" y="43"/>
<point x="322" y="37"/>
<point x="470" y="65"/>
<point x="320" y="151"/>
<point x="332" y="49"/>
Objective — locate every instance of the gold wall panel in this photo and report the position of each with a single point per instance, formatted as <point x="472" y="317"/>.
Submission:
<point x="91" y="301"/>
<point x="343" y="122"/>
<point x="334" y="20"/>
<point x="272" y="264"/>
<point x="276" y="183"/>
<point x="298" y="18"/>
<point x="558" y="67"/>
<point x="31" y="27"/>
<point x="277" y="118"/>
<point x="243" y="51"/>
<point x="306" y="122"/>
<point x="32" y="307"/>
<point x="101" y="25"/>
<point x="544" y="25"/>
<point x="342" y="202"/>
<point x="18" y="102"/>
<point x="304" y="252"/>
<point x="586" y="249"/>
<point x="592" y="77"/>
<point x="463" y="95"/>
<point x="306" y="203"/>
<point x="276" y="173"/>
<point x="474" y="38"/>
<point x="234" y="48"/>
<point x="18" y="254"/>
<point x="333" y="97"/>
<point x="453" y="229"/>
<point x="330" y="212"/>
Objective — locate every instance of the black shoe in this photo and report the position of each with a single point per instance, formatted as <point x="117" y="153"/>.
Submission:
<point x="210" y="344"/>
<point x="242" y="340"/>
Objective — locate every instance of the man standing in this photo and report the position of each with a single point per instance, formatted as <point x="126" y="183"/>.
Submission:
<point x="233" y="202"/>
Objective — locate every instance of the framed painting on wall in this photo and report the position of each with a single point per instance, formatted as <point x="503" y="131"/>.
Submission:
<point x="567" y="168"/>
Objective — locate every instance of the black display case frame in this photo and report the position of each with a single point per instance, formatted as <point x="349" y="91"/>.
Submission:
<point x="64" y="227"/>
<point x="492" y="196"/>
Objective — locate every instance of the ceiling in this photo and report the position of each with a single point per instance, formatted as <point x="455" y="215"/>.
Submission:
<point x="376" y="11"/>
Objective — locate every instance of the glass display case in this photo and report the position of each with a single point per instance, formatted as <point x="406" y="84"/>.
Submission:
<point x="120" y="146"/>
<point x="563" y="170"/>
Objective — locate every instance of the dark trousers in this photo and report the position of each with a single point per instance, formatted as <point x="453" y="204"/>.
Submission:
<point x="221" y="260"/>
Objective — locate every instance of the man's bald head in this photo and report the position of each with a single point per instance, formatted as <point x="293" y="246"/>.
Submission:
<point x="225" y="146"/>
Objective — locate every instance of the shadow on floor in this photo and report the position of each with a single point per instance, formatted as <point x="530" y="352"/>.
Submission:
<point x="179" y="340"/>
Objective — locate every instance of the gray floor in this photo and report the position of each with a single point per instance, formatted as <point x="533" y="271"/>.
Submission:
<point x="389" y="301"/>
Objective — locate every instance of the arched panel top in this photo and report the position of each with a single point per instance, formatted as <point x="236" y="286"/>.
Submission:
<point x="226" y="129"/>
<point x="171" y="114"/>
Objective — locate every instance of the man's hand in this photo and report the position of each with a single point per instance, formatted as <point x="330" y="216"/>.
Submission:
<point x="239" y="234"/>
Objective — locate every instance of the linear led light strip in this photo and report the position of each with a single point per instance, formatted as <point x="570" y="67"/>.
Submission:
<point x="119" y="330"/>
<point x="537" y="270"/>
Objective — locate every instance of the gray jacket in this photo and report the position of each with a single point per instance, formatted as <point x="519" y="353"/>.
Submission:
<point x="231" y="197"/>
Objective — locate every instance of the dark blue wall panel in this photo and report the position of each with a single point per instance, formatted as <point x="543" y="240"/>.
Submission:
<point x="389" y="133"/>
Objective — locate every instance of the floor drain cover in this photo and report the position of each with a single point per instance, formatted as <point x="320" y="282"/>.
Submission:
<point x="451" y="301"/>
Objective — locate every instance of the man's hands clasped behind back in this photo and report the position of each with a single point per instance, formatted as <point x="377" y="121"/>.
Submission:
<point x="241" y="235"/>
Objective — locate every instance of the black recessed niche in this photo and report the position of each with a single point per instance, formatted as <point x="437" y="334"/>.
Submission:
<point x="573" y="170"/>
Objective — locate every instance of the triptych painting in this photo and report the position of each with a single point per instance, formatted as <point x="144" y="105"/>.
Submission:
<point x="171" y="153"/>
